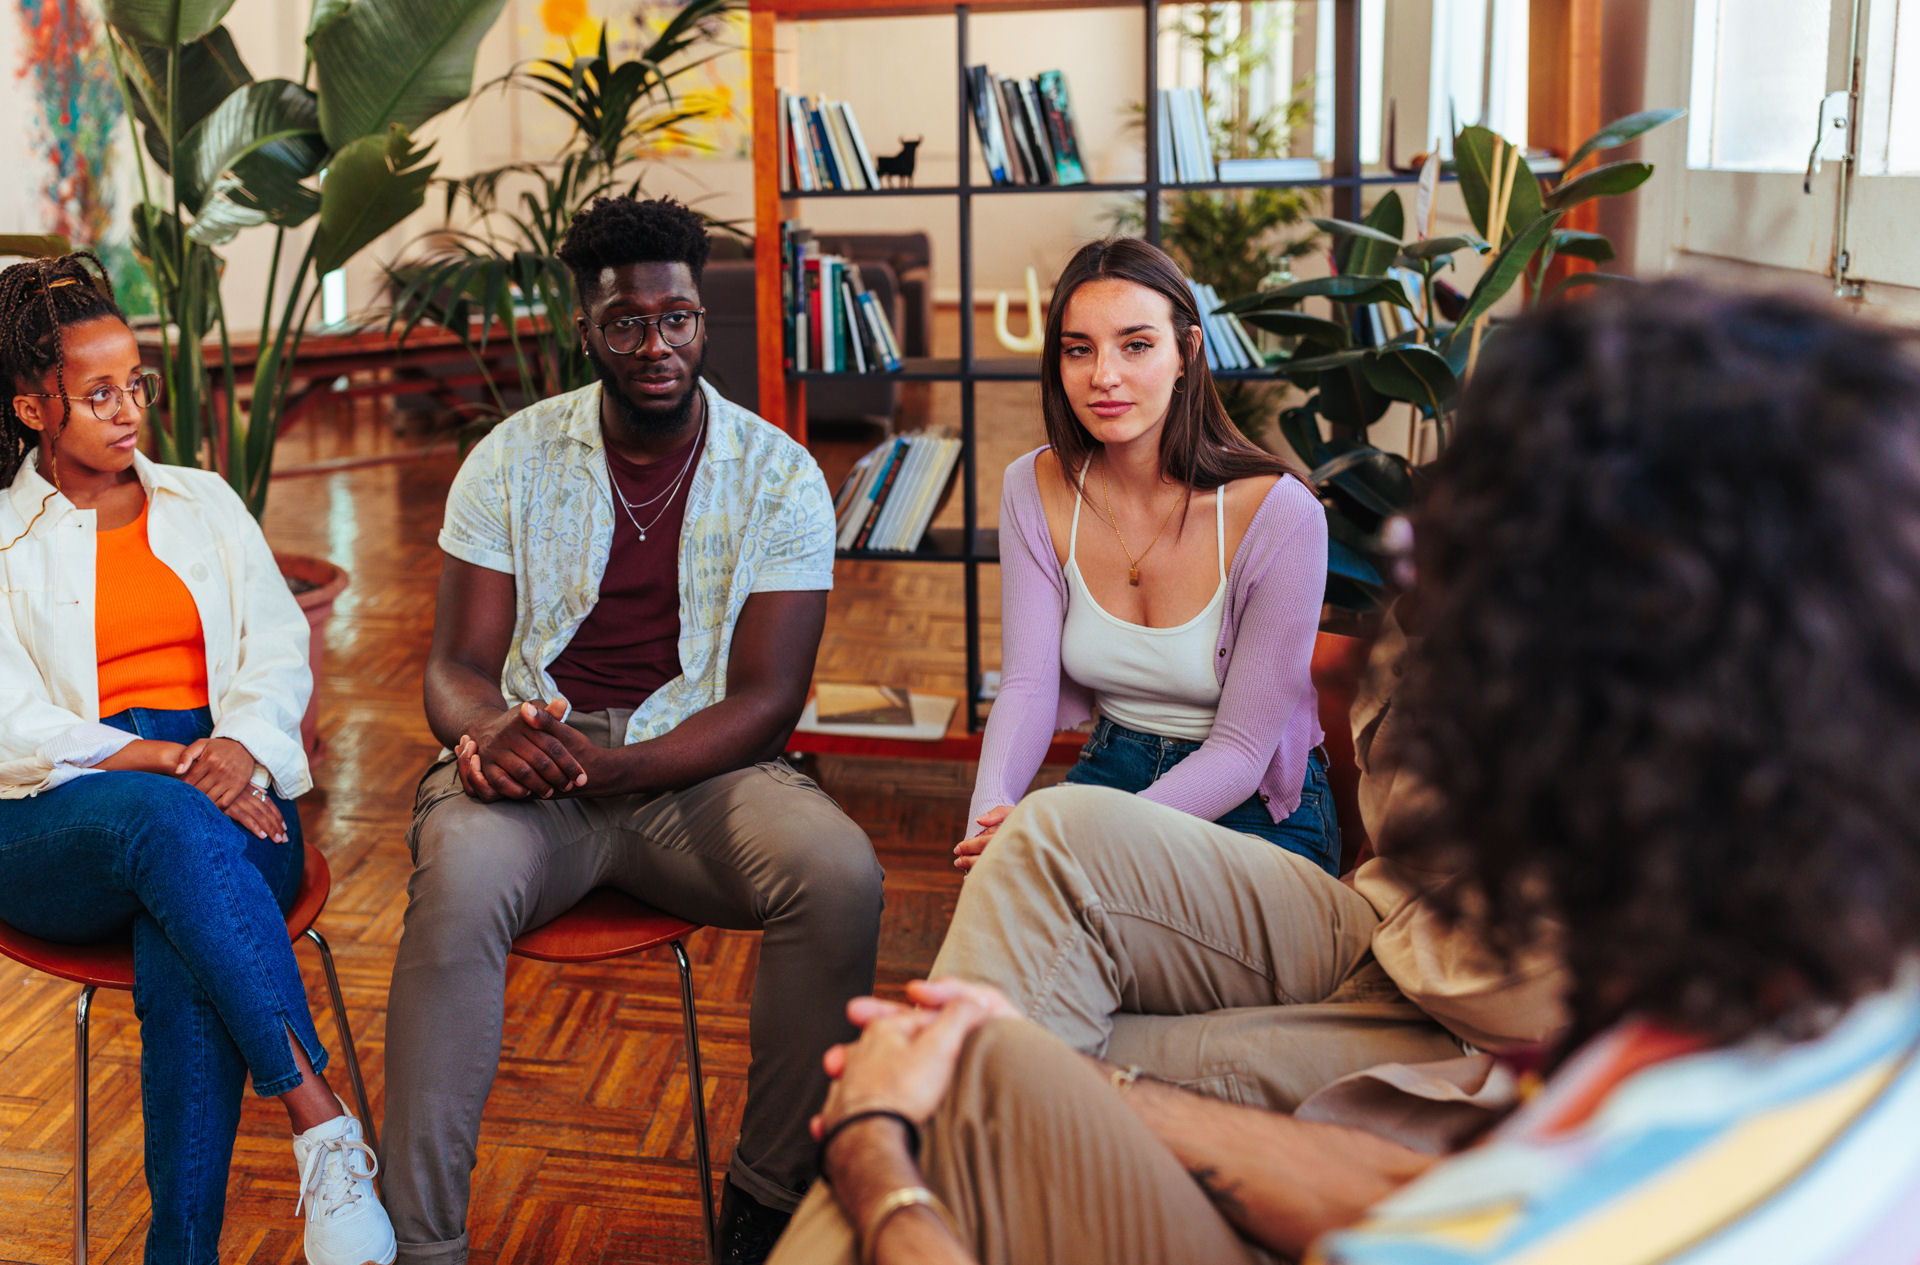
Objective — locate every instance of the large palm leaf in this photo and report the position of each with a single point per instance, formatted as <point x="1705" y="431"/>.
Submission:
<point x="165" y="23"/>
<point x="380" y="62"/>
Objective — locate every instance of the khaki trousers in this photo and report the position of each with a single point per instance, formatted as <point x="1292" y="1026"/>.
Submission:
<point x="1206" y="957"/>
<point x="1040" y="1160"/>
<point x="761" y="848"/>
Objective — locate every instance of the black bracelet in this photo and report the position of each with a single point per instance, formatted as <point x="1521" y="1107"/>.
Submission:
<point x="873" y="1113"/>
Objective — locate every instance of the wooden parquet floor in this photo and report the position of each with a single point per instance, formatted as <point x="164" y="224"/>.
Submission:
<point x="587" y="1151"/>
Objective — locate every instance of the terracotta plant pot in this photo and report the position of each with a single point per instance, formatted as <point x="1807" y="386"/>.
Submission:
<point x="1338" y="662"/>
<point x="316" y="583"/>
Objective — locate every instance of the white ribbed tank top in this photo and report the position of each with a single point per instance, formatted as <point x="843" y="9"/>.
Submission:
<point x="1155" y="680"/>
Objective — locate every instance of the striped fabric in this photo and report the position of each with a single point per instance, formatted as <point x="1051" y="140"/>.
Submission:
<point x="1642" y="1151"/>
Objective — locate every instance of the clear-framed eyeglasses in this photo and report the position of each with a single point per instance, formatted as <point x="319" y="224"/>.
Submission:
<point x="105" y="400"/>
<point x="628" y="334"/>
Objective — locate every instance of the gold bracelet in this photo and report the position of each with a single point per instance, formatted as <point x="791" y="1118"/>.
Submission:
<point x="898" y="1201"/>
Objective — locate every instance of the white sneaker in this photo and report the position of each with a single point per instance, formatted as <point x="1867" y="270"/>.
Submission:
<point x="345" y="1223"/>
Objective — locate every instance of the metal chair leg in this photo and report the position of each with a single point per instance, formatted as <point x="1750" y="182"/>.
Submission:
<point x="82" y="1011"/>
<point x="696" y="1085"/>
<point x="346" y="1039"/>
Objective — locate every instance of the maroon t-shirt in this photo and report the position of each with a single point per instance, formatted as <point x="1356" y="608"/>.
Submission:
<point x="629" y="644"/>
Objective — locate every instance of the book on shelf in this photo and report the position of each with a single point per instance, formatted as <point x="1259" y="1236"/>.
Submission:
<point x="1058" y="103"/>
<point x="889" y="498"/>
<point x="833" y="323"/>
<point x="1277" y="170"/>
<point x="822" y="147"/>
<point x="845" y="704"/>
<point x="1025" y="128"/>
<point x="1185" y="144"/>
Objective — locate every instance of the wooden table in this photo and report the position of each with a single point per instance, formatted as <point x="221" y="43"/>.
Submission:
<point x="431" y="362"/>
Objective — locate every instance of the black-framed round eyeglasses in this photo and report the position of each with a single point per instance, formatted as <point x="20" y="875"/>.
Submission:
<point x="628" y="334"/>
<point x="105" y="399"/>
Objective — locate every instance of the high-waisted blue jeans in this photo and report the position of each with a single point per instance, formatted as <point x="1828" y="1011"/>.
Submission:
<point x="1129" y="760"/>
<point x="215" y="984"/>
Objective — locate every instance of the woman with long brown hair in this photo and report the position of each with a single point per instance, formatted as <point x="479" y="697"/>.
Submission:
<point x="1159" y="572"/>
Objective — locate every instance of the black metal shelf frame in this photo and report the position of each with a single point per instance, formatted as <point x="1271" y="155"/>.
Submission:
<point x="972" y="546"/>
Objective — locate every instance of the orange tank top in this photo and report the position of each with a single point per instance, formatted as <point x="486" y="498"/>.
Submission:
<point x="146" y="629"/>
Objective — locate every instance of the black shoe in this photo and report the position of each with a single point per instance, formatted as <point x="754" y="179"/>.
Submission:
<point x="748" y="1228"/>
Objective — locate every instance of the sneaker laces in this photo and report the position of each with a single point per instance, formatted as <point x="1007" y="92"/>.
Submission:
<point x="335" y="1186"/>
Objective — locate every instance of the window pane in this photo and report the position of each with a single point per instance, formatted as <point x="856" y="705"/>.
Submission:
<point x="1479" y="69"/>
<point x="1759" y="71"/>
<point x="1890" y="113"/>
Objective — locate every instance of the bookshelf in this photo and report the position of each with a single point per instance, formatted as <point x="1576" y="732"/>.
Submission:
<point x="783" y="393"/>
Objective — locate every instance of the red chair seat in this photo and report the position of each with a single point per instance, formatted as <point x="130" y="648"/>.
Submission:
<point x="109" y="964"/>
<point x="606" y="924"/>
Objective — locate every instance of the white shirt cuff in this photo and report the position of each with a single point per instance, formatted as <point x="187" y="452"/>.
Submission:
<point x="85" y="744"/>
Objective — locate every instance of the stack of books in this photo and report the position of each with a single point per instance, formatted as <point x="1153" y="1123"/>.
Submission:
<point x="821" y="147"/>
<point x="1026" y="128"/>
<point x="893" y="492"/>
<point x="1228" y="343"/>
<point x="833" y="323"/>
<point x="1186" y="145"/>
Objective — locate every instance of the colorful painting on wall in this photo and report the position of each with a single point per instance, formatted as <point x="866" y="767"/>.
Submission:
<point x="75" y="129"/>
<point x="715" y="94"/>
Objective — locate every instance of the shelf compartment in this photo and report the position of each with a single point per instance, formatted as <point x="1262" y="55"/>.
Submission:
<point x="941" y="544"/>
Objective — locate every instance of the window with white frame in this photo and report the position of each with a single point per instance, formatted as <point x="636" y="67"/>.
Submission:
<point x="1759" y="72"/>
<point x="1479" y="69"/>
<point x="1890" y="106"/>
<point x="1373" y="73"/>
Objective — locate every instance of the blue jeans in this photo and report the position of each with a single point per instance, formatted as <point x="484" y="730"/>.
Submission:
<point x="1129" y="760"/>
<point x="215" y="984"/>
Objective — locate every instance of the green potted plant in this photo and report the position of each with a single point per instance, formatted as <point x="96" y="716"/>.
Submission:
<point x="1350" y="388"/>
<point x="334" y="151"/>
<point x="497" y="255"/>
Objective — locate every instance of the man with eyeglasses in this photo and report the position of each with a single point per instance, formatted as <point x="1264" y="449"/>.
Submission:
<point x="633" y="590"/>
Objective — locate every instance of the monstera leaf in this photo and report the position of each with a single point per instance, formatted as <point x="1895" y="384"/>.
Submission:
<point x="165" y="22"/>
<point x="382" y="62"/>
<point x="370" y="186"/>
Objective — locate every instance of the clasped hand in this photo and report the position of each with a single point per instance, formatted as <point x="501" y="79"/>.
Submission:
<point x="905" y="1057"/>
<point x="222" y="769"/>
<point x="966" y="853"/>
<point x="526" y="752"/>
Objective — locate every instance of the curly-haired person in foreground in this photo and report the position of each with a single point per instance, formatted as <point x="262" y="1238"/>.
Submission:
<point x="1665" y="692"/>
<point x="633" y="589"/>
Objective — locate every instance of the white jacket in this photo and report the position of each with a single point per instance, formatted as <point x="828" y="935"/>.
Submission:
<point x="256" y="635"/>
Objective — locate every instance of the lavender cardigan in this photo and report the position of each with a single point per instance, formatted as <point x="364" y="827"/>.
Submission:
<point x="1268" y="718"/>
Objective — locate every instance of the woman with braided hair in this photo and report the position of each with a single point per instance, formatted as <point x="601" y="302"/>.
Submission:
<point x="152" y="677"/>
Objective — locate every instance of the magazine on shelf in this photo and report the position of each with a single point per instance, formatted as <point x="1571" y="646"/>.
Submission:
<point x="834" y="114"/>
<point x="932" y="716"/>
<point x="838" y="704"/>
<point x="863" y="157"/>
<point x="986" y="124"/>
<point x="890" y="496"/>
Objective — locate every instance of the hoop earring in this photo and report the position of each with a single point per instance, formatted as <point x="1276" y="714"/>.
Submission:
<point x="1177" y="388"/>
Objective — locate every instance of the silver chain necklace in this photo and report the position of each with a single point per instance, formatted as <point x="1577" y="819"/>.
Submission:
<point x="672" y="488"/>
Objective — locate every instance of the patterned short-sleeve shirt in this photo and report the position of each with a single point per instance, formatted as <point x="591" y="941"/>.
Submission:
<point x="532" y="500"/>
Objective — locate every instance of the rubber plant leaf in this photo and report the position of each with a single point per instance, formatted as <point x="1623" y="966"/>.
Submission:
<point x="167" y="23"/>
<point x="382" y="62"/>
<point x="370" y="186"/>
<point x="1342" y="288"/>
<point x="1620" y="131"/>
<point x="1300" y="325"/>
<point x="1507" y="267"/>
<point x="1595" y="247"/>
<point x="1473" y="160"/>
<point x="1434" y="247"/>
<point x="1371" y="256"/>
<point x="1601" y="182"/>
<point x="1419" y="375"/>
